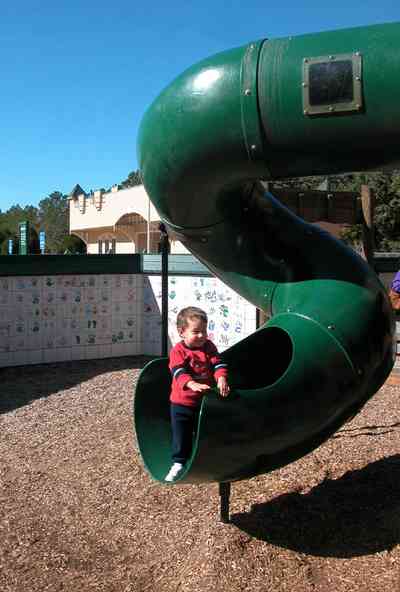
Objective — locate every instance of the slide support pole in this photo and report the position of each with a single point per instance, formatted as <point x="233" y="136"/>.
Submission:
<point x="164" y="290"/>
<point x="224" y="493"/>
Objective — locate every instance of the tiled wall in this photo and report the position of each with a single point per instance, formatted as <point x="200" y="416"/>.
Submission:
<point x="64" y="317"/>
<point x="71" y="317"/>
<point x="230" y="317"/>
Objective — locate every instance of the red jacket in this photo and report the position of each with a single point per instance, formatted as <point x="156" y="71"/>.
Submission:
<point x="201" y="365"/>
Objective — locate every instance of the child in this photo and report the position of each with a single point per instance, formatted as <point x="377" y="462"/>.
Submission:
<point x="195" y="366"/>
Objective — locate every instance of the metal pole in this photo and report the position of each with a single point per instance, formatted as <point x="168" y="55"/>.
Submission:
<point x="224" y="494"/>
<point x="148" y="226"/>
<point x="164" y="289"/>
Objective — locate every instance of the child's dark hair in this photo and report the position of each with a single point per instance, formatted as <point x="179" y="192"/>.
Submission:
<point x="188" y="313"/>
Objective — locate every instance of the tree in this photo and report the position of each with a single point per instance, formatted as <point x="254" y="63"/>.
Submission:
<point x="134" y="178"/>
<point x="9" y="227"/>
<point x="16" y="214"/>
<point x="386" y="188"/>
<point x="53" y="216"/>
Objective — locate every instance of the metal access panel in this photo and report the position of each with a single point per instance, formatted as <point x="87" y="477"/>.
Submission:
<point x="332" y="84"/>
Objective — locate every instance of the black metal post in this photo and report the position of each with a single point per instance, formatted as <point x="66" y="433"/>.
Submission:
<point x="258" y="318"/>
<point x="164" y="244"/>
<point x="224" y="493"/>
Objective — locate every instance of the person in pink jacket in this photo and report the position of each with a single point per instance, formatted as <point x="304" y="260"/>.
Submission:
<point x="195" y="367"/>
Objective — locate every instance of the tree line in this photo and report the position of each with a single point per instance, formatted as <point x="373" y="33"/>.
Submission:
<point x="52" y="216"/>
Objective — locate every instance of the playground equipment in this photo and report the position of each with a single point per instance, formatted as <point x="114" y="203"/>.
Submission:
<point x="313" y="104"/>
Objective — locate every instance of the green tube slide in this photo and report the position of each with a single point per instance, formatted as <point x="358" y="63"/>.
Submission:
<point x="313" y="104"/>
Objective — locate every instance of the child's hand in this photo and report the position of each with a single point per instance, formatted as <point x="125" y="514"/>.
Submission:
<point x="223" y="386"/>
<point x="198" y="387"/>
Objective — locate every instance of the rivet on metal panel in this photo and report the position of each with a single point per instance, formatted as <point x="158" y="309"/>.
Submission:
<point x="305" y="60"/>
<point x="304" y="84"/>
<point x="305" y="111"/>
<point x="358" y="106"/>
<point x="331" y="327"/>
<point x="253" y="147"/>
<point x="331" y="108"/>
<point x="247" y="92"/>
<point x="331" y="57"/>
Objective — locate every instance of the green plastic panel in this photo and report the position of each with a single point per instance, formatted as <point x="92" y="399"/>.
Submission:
<point x="14" y="265"/>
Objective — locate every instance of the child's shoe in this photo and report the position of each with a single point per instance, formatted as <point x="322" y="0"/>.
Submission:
<point x="174" y="472"/>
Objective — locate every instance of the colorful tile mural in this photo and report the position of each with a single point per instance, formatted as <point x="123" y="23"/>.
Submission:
<point x="230" y="317"/>
<point x="55" y="318"/>
<point x="64" y="317"/>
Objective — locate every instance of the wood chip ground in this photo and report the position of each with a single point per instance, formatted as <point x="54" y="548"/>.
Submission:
<point x="78" y="513"/>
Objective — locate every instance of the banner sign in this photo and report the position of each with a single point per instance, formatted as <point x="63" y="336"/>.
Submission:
<point x="42" y="241"/>
<point x="23" y="238"/>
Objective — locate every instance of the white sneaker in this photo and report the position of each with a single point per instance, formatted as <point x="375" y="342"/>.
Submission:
<point x="174" y="472"/>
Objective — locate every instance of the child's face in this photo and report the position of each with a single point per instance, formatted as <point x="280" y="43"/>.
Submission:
<point x="195" y="333"/>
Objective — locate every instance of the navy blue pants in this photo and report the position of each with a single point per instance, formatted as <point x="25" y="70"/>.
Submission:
<point x="183" y="423"/>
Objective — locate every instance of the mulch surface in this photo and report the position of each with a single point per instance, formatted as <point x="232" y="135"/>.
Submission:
<point x="79" y="513"/>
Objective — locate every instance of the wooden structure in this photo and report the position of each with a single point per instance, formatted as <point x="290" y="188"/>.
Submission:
<point x="335" y="211"/>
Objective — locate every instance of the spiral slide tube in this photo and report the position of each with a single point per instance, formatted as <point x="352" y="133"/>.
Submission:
<point x="314" y="104"/>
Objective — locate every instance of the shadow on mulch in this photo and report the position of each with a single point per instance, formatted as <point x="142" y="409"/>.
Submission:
<point x="23" y="384"/>
<point x="367" y="430"/>
<point x="358" y="514"/>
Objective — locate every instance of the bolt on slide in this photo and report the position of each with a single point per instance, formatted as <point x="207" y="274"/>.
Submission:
<point x="313" y="104"/>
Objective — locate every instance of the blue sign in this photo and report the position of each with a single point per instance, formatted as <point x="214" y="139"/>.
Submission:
<point x="10" y="246"/>
<point x="42" y="241"/>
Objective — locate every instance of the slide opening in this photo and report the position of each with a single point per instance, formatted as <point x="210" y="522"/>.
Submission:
<point x="261" y="359"/>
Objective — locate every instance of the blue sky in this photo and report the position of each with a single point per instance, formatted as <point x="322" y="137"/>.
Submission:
<point x="77" y="76"/>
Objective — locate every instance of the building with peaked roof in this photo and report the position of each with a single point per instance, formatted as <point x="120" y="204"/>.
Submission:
<point x="118" y="221"/>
